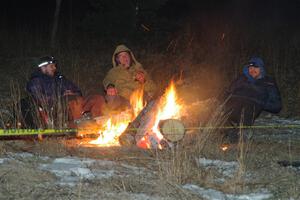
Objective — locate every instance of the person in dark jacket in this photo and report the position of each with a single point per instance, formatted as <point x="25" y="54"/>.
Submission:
<point x="46" y="84"/>
<point x="250" y="94"/>
<point x="48" y="90"/>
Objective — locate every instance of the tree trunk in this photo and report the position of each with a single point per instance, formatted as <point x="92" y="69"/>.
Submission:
<point x="55" y="23"/>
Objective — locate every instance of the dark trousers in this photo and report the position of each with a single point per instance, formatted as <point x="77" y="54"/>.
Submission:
<point x="239" y="112"/>
<point x="28" y="113"/>
<point x="242" y="111"/>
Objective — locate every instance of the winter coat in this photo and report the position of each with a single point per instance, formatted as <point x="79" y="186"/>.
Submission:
<point x="262" y="91"/>
<point x="124" y="79"/>
<point x="45" y="89"/>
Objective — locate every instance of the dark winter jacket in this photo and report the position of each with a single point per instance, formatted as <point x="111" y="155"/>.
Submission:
<point x="45" y="89"/>
<point x="262" y="91"/>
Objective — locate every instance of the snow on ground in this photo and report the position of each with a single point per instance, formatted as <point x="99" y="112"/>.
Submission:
<point x="212" y="194"/>
<point x="273" y="119"/>
<point x="284" y="128"/>
<point x="227" y="169"/>
<point x="71" y="170"/>
<point x="3" y="160"/>
<point x="74" y="173"/>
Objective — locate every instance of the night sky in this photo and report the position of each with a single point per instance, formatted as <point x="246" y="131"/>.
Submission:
<point x="40" y="13"/>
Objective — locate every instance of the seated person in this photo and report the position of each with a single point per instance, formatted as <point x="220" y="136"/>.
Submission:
<point x="114" y="103"/>
<point x="51" y="94"/>
<point x="250" y="94"/>
<point x="127" y="74"/>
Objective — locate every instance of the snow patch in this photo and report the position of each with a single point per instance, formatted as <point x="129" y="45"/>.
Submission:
<point x="227" y="169"/>
<point x="71" y="170"/>
<point x="212" y="194"/>
<point x="102" y="174"/>
<point x="133" y="196"/>
<point x="74" y="161"/>
<point x="20" y="155"/>
<point x="82" y="172"/>
<point x="3" y="160"/>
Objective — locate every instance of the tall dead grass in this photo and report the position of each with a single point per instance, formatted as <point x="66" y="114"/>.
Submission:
<point x="178" y="165"/>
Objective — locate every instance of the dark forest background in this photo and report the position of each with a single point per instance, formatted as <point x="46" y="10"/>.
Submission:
<point x="209" y="41"/>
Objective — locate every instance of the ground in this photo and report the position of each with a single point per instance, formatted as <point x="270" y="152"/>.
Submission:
<point x="68" y="168"/>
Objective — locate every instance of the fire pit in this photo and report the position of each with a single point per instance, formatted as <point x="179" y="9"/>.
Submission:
<point x="154" y="125"/>
<point x="157" y="125"/>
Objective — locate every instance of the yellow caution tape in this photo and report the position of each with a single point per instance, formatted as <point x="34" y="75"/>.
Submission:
<point x="289" y="126"/>
<point x="24" y="132"/>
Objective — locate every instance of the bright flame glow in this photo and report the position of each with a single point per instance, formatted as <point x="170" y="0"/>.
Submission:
<point x="113" y="127"/>
<point x="136" y="101"/>
<point x="224" y="147"/>
<point x="110" y="133"/>
<point x="117" y="124"/>
<point x="169" y="107"/>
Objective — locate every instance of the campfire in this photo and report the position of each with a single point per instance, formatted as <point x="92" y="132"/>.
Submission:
<point x="168" y="107"/>
<point x="151" y="125"/>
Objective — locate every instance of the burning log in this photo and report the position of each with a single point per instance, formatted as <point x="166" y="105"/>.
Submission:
<point x="173" y="130"/>
<point x="145" y="131"/>
<point x="140" y="124"/>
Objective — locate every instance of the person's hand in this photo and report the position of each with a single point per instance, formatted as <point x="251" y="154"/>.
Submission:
<point x="111" y="91"/>
<point x="140" y="77"/>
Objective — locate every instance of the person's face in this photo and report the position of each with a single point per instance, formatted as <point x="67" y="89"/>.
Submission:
<point x="124" y="59"/>
<point x="49" y="69"/>
<point x="111" y="91"/>
<point x="254" y="72"/>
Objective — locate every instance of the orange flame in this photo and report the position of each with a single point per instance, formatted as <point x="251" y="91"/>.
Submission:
<point x="115" y="125"/>
<point x="110" y="133"/>
<point x="224" y="147"/>
<point x="136" y="101"/>
<point x="169" y="107"/>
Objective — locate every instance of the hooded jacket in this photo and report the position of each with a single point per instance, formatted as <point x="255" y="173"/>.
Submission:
<point x="45" y="89"/>
<point x="262" y="91"/>
<point x="124" y="79"/>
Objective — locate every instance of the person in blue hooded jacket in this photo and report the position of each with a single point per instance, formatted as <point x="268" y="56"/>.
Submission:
<point x="251" y="93"/>
<point x="48" y="88"/>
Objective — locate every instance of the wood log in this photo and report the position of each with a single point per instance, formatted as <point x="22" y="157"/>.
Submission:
<point x="137" y="128"/>
<point x="172" y="129"/>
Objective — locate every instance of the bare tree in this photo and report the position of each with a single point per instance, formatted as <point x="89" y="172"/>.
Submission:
<point x="55" y="23"/>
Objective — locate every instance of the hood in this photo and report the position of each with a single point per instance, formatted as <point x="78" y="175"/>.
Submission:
<point x="121" y="48"/>
<point x="256" y="61"/>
